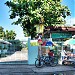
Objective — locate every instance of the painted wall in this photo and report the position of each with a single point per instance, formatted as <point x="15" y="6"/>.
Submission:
<point x="32" y="53"/>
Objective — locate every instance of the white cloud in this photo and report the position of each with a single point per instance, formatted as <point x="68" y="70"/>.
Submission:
<point x="70" y="21"/>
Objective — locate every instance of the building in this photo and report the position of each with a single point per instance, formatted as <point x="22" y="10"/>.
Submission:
<point x="58" y="33"/>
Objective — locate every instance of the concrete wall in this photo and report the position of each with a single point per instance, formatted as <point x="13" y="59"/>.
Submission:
<point x="32" y="53"/>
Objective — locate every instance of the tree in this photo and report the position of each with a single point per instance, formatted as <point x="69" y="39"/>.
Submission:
<point x="36" y="12"/>
<point x="16" y="45"/>
<point x="9" y="35"/>
<point x="73" y="24"/>
<point x="2" y="33"/>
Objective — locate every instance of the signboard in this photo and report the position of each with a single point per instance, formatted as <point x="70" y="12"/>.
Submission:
<point x="61" y="35"/>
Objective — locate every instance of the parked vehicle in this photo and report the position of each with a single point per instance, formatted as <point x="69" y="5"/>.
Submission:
<point x="46" y="60"/>
<point x="68" y="61"/>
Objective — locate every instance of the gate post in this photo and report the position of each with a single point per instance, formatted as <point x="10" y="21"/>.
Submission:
<point x="32" y="53"/>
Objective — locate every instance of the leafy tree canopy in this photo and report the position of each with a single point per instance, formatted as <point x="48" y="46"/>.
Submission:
<point x="9" y="35"/>
<point x="34" y="12"/>
<point x="2" y="33"/>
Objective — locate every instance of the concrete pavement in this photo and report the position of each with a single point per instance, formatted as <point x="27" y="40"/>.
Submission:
<point x="17" y="56"/>
<point x="22" y="69"/>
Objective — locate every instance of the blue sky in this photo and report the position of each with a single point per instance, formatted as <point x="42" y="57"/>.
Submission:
<point x="5" y="22"/>
<point x="71" y="5"/>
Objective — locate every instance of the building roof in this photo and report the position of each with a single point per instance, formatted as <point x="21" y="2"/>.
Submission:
<point x="58" y="28"/>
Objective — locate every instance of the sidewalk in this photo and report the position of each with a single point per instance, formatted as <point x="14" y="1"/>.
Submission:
<point x="18" y="69"/>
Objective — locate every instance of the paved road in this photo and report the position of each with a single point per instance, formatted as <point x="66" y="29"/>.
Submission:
<point x="14" y="69"/>
<point x="17" y="56"/>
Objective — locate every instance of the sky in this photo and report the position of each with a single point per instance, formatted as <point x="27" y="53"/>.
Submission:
<point x="5" y="22"/>
<point x="71" y="5"/>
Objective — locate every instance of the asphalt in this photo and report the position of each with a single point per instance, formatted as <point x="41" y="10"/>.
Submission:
<point x="24" y="69"/>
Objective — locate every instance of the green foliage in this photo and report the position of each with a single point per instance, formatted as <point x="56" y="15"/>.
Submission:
<point x="9" y="35"/>
<point x="5" y="47"/>
<point x="0" y="47"/>
<point x="19" y="44"/>
<point x="57" y="53"/>
<point x="26" y="46"/>
<point x="16" y="44"/>
<point x="73" y="24"/>
<point x="34" y="12"/>
<point x="2" y="33"/>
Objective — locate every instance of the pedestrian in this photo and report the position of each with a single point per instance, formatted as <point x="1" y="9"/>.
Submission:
<point x="64" y="53"/>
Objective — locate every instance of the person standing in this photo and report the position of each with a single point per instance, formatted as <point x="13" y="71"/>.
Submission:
<point x="63" y="53"/>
